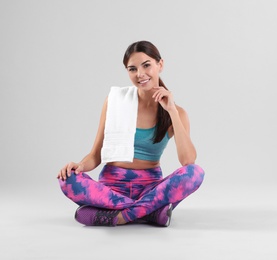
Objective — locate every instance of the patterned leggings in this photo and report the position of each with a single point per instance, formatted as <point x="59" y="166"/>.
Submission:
<point x="135" y="192"/>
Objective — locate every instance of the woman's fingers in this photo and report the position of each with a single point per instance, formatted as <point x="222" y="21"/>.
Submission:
<point x="79" y="169"/>
<point x="67" y="170"/>
<point x="62" y="173"/>
<point x="164" y="97"/>
<point x="159" y="94"/>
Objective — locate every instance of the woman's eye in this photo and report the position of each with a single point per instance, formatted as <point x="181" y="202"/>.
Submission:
<point x="131" y="69"/>
<point x="146" y="65"/>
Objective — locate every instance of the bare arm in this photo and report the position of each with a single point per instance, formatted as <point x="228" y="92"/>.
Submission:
<point x="180" y="125"/>
<point x="181" y="129"/>
<point x="91" y="160"/>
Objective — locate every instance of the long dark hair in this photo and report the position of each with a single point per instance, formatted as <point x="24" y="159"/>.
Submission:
<point x="163" y="118"/>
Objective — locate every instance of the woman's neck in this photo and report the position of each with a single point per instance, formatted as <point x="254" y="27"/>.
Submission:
<point x="145" y="98"/>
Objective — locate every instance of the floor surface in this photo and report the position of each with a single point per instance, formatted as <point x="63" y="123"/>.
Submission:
<point x="210" y="224"/>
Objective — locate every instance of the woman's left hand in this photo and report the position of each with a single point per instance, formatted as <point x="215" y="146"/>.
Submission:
<point x="164" y="97"/>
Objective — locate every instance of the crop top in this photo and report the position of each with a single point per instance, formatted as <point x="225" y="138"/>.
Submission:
<point x="144" y="147"/>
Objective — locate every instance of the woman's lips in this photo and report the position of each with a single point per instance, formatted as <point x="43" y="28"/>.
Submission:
<point x="143" y="81"/>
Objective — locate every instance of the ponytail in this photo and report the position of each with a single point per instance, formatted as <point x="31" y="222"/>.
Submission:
<point x="163" y="120"/>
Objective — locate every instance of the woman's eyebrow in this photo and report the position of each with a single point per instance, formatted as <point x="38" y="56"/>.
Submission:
<point x="132" y="66"/>
<point x="145" y="62"/>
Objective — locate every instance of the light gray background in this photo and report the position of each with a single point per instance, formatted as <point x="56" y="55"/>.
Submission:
<point x="58" y="60"/>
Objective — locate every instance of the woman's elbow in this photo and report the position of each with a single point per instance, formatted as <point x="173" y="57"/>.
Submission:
<point x="186" y="160"/>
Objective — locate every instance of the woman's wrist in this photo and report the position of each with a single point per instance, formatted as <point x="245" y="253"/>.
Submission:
<point x="173" y="111"/>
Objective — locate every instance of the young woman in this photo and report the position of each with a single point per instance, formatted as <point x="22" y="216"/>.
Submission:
<point x="136" y="191"/>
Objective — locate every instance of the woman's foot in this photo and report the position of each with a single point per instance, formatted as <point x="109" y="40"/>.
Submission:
<point x="161" y="216"/>
<point x="91" y="216"/>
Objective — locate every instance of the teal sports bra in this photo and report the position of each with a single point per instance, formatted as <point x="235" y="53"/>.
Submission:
<point x="144" y="147"/>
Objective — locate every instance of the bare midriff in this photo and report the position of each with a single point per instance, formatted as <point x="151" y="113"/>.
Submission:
<point x="136" y="164"/>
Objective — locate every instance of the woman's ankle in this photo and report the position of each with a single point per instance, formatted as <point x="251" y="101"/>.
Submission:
<point x="120" y="219"/>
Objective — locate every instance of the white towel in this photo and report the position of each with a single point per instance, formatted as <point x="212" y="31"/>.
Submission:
<point x="120" y="125"/>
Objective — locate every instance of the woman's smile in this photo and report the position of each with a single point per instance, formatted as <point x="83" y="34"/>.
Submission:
<point x="143" y="82"/>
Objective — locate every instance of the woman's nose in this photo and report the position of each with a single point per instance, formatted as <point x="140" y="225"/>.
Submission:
<point x="140" y="73"/>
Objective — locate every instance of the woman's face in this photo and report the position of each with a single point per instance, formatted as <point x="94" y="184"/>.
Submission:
<point x="144" y="71"/>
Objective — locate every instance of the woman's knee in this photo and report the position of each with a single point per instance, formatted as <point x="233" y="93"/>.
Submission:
<point x="198" y="169"/>
<point x="73" y="183"/>
<point x="194" y="172"/>
<point x="198" y="174"/>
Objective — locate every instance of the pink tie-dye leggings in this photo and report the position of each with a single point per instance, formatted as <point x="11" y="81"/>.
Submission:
<point x="135" y="192"/>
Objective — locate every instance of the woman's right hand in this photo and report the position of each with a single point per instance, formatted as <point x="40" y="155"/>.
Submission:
<point x="67" y="170"/>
